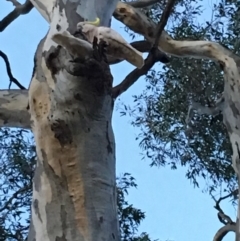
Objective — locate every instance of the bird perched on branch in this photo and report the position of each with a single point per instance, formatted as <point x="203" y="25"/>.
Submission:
<point x="117" y="46"/>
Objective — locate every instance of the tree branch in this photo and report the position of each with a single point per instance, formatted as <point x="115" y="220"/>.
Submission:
<point x="132" y="77"/>
<point x="138" y="22"/>
<point x="163" y="21"/>
<point x="14" y="2"/>
<point x="230" y="226"/>
<point x="142" y="3"/>
<point x="222" y="232"/>
<point x="205" y="110"/>
<point x="154" y="55"/>
<point x="13" y="109"/>
<point x="9" y="72"/>
<point x="142" y="46"/>
<point x="20" y="9"/>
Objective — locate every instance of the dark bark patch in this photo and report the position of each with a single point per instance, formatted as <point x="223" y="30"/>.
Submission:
<point x="31" y="233"/>
<point x="70" y="8"/>
<point x="109" y="146"/>
<point x="78" y="97"/>
<point x="228" y="126"/>
<point x="37" y="69"/>
<point x="150" y="32"/>
<point x="101" y="220"/>
<point x="36" y="209"/>
<point x="63" y="238"/>
<point x="222" y="65"/>
<point x="53" y="60"/>
<point x="58" y="27"/>
<point x="237" y="159"/>
<point x="64" y="224"/>
<point x="62" y="132"/>
<point x="234" y="110"/>
<point x="38" y="172"/>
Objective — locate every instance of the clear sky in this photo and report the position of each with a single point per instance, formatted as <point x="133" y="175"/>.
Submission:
<point x="174" y="209"/>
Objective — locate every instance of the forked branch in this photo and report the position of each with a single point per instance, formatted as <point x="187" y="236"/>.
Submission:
<point x="229" y="225"/>
<point x="20" y="9"/>
<point x="9" y="72"/>
<point x="153" y="57"/>
<point x="133" y="76"/>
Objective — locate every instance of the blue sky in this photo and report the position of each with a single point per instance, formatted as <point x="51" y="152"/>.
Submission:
<point x="174" y="209"/>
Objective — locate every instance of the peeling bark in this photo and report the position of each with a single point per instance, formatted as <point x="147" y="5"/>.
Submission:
<point x="74" y="193"/>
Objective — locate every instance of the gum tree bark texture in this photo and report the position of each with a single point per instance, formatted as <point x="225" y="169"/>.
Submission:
<point x="74" y="194"/>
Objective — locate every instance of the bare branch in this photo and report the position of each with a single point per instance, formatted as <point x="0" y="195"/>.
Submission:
<point x="222" y="232"/>
<point x="163" y="21"/>
<point x="233" y="193"/>
<point x="21" y="9"/>
<point x="132" y="77"/>
<point x="9" y="72"/>
<point x="223" y="218"/>
<point x="230" y="226"/>
<point x="13" y="109"/>
<point x="142" y="3"/>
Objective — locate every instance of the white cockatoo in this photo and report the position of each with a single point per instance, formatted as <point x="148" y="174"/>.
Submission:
<point x="117" y="46"/>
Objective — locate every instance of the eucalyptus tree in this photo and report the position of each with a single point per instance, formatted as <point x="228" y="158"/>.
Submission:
<point x="69" y="104"/>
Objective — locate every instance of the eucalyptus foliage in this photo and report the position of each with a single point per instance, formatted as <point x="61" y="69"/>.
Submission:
<point x="160" y="111"/>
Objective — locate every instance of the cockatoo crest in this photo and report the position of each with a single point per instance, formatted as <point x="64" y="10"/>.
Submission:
<point x="117" y="45"/>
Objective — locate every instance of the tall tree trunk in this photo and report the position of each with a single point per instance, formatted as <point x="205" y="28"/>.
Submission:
<point x="74" y="194"/>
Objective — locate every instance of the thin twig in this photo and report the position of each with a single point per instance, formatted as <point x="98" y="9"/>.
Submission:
<point x="9" y="72"/>
<point x="223" y="218"/>
<point x="19" y="10"/>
